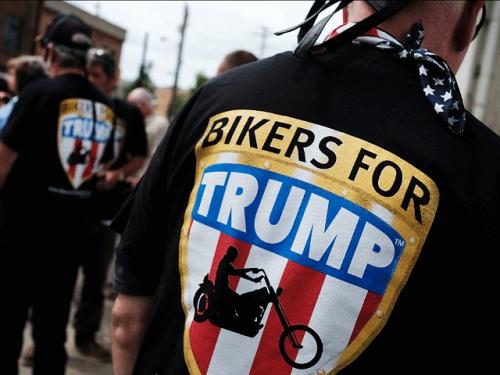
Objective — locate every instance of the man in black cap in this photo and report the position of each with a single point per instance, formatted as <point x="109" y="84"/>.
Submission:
<point x="129" y="153"/>
<point x="51" y="151"/>
<point x="350" y="171"/>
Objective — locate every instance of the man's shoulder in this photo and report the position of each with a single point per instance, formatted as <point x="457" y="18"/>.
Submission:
<point x="126" y="111"/>
<point x="123" y="105"/>
<point x="351" y="69"/>
<point x="483" y="138"/>
<point x="281" y="61"/>
<point x="76" y="86"/>
<point x="36" y="87"/>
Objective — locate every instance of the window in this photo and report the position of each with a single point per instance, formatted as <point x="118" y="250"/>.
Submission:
<point x="12" y="30"/>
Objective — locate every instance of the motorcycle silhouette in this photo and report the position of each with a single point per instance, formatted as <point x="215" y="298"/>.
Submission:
<point x="76" y="157"/>
<point x="244" y="316"/>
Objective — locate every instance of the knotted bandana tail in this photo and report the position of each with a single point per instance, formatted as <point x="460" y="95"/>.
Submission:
<point x="438" y="82"/>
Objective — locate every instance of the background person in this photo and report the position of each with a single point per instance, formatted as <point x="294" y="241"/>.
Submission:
<point x="21" y="71"/>
<point x="48" y="171"/>
<point x="5" y="94"/>
<point x="129" y="153"/>
<point x="234" y="59"/>
<point x="156" y="125"/>
<point x="306" y="143"/>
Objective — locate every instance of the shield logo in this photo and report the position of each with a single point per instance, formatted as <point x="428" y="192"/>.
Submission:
<point x="82" y="137"/>
<point x="284" y="268"/>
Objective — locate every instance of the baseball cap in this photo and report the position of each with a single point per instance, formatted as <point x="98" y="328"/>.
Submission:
<point x="69" y="31"/>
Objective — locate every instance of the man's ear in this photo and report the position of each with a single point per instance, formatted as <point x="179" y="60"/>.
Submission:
<point x="49" y="53"/>
<point x="466" y="26"/>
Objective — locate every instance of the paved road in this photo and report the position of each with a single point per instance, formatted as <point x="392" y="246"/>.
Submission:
<point x="78" y="364"/>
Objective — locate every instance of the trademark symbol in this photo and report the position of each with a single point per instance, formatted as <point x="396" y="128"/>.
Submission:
<point x="399" y="242"/>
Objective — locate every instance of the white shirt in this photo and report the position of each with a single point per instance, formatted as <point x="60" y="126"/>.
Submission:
<point x="156" y="127"/>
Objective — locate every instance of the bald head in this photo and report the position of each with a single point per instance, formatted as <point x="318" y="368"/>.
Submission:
<point x="142" y="99"/>
<point x="449" y="25"/>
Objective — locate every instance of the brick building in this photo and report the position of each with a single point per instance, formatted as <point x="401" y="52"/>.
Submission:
<point x="18" y="28"/>
<point x="22" y="21"/>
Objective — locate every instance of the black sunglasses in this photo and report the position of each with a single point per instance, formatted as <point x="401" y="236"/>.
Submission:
<point x="4" y="99"/>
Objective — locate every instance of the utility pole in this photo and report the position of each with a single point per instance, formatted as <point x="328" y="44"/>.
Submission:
<point x="142" y="69"/>
<point x="179" y="61"/>
<point x="264" y="33"/>
<point x="98" y="9"/>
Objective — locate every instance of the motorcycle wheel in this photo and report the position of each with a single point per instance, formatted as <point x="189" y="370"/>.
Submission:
<point x="201" y="305"/>
<point x="287" y="355"/>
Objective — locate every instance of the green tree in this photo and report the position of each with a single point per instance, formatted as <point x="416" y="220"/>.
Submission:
<point x="143" y="80"/>
<point x="183" y="97"/>
<point x="201" y="79"/>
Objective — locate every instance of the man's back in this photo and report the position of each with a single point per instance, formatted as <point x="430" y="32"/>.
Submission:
<point x="60" y="127"/>
<point x="350" y="194"/>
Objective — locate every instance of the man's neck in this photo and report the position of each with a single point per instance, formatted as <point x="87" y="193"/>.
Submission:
<point x="62" y="71"/>
<point x="439" y="23"/>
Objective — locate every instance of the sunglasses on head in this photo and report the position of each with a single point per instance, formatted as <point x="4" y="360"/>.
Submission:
<point x="481" y="22"/>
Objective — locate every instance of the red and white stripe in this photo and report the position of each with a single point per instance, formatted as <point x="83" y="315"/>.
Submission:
<point x="336" y="310"/>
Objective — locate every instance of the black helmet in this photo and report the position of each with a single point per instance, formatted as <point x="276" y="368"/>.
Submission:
<point x="309" y="32"/>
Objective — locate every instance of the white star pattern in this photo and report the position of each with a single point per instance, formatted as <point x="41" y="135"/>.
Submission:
<point x="447" y="96"/>
<point x="444" y="94"/>
<point x="385" y="45"/>
<point x="438" y="82"/>
<point x="429" y="90"/>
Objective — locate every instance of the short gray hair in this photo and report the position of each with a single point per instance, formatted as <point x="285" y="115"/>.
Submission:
<point x="143" y="95"/>
<point x="70" y="57"/>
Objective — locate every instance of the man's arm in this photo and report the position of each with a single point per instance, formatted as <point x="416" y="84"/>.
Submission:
<point x="129" y="322"/>
<point x="112" y="177"/>
<point x="7" y="158"/>
<point x="242" y="272"/>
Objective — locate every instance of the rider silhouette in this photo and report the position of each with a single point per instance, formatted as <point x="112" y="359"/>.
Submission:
<point x="226" y="268"/>
<point x="234" y="303"/>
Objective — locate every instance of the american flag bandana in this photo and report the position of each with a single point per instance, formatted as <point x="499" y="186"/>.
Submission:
<point x="436" y="78"/>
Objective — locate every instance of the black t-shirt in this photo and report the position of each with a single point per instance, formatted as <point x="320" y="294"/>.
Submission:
<point x="337" y="180"/>
<point x="60" y="129"/>
<point x="129" y="140"/>
<point x="129" y="133"/>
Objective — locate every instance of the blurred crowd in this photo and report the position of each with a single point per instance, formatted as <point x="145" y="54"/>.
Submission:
<point x="71" y="152"/>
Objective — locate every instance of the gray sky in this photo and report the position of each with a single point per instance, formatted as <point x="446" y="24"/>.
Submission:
<point x="215" y="28"/>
